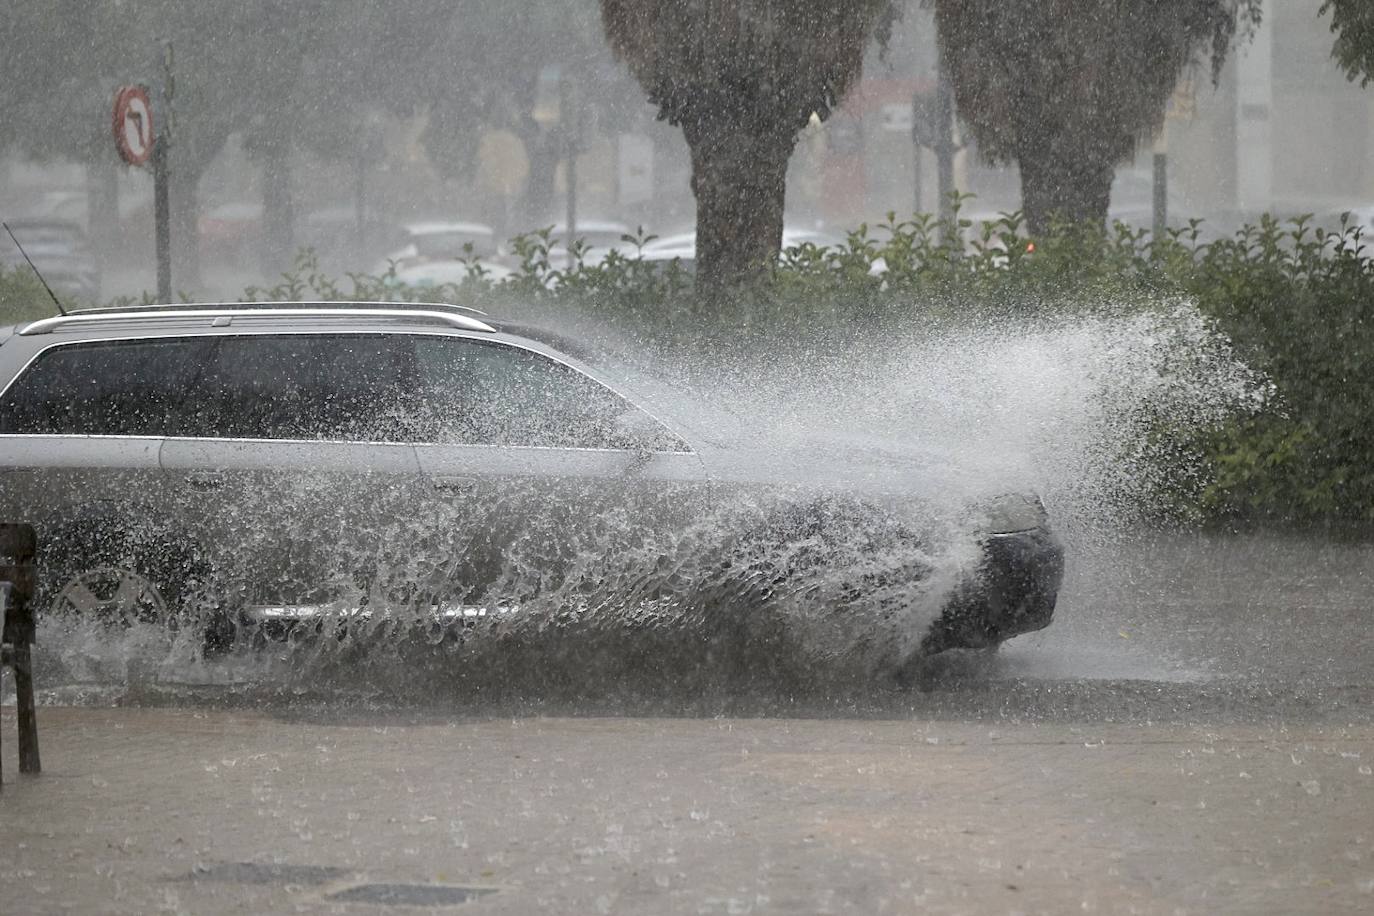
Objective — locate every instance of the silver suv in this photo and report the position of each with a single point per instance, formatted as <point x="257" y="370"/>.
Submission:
<point x="259" y="465"/>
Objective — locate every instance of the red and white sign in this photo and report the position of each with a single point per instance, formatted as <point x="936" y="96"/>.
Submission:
<point x="133" y="125"/>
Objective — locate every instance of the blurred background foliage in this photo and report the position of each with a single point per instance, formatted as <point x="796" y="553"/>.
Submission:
<point x="1295" y="300"/>
<point x="1292" y="297"/>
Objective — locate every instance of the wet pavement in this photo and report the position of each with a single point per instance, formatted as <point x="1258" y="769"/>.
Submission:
<point x="1194" y="734"/>
<point x="145" y="811"/>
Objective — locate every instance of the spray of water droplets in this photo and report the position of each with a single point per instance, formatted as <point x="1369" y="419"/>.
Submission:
<point x="844" y="514"/>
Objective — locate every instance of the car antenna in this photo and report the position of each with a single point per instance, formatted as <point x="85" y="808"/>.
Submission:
<point x="60" y="310"/>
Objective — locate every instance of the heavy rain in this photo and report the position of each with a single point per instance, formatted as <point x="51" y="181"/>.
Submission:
<point x="702" y="456"/>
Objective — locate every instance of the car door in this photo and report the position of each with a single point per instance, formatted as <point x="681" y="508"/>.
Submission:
<point x="80" y="430"/>
<point x="293" y="468"/>
<point x="544" y="483"/>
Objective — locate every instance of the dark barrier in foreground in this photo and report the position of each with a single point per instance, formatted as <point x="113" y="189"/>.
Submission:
<point x="18" y="545"/>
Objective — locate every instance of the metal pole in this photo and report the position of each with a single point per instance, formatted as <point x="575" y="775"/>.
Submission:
<point x="918" y="191"/>
<point x="1161" y="209"/>
<point x="1160" y="225"/>
<point x="162" y="151"/>
<point x="568" y="111"/>
<point x="944" y="141"/>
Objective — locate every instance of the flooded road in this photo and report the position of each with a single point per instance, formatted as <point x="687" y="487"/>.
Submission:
<point x="1214" y="626"/>
<point x="208" y="811"/>
<point x="1192" y="735"/>
<point x="1167" y="628"/>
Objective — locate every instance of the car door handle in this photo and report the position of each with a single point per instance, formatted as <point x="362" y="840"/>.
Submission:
<point x="455" y="484"/>
<point x="205" y="480"/>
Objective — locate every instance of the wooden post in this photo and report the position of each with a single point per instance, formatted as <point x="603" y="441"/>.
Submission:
<point x="4" y="659"/>
<point x="18" y="544"/>
<point x="28" y="718"/>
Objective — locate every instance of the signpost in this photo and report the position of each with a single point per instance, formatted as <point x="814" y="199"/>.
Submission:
<point x="141" y="124"/>
<point x="568" y="108"/>
<point x="932" y="125"/>
<point x="1182" y="106"/>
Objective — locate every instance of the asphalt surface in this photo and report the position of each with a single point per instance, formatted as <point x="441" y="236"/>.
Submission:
<point x="1194" y="734"/>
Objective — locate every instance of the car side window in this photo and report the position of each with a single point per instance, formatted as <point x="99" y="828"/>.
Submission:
<point x="110" y="388"/>
<point x="481" y="393"/>
<point x="340" y="387"/>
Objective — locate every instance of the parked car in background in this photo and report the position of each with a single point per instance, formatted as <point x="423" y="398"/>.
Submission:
<point x="595" y="234"/>
<point x="60" y="252"/>
<point x="664" y="259"/>
<point x="67" y="205"/>
<point x="597" y="238"/>
<point x="425" y="273"/>
<point x="440" y="240"/>
<point x="1353" y="220"/>
<point x="681" y="248"/>
<point x="231" y="232"/>
<point x="685" y="243"/>
<point x="335" y="236"/>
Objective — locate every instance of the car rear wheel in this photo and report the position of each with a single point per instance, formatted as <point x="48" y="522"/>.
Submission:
<point x="98" y="575"/>
<point x="113" y="596"/>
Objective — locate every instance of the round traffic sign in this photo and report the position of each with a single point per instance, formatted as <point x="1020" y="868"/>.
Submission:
<point x="133" y="125"/>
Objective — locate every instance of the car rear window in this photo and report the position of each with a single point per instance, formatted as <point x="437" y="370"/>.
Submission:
<point x="114" y="388"/>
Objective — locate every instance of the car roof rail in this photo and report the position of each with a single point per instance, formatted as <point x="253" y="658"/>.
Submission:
<point x="450" y="316"/>
<point x="294" y="303"/>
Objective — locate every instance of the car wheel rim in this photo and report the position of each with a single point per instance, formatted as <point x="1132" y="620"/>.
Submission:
<point x="112" y="596"/>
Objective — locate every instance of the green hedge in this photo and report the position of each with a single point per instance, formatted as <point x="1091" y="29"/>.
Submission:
<point x="1298" y="304"/>
<point x="1294" y="300"/>
<point x="22" y="297"/>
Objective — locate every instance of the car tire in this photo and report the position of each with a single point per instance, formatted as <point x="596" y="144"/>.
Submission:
<point x="771" y="570"/>
<point x="104" y="573"/>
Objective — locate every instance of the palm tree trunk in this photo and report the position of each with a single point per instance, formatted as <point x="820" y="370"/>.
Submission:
<point x="739" y="178"/>
<point x="1054" y="186"/>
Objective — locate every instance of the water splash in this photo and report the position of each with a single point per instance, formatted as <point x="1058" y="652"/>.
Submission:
<point x="788" y="588"/>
